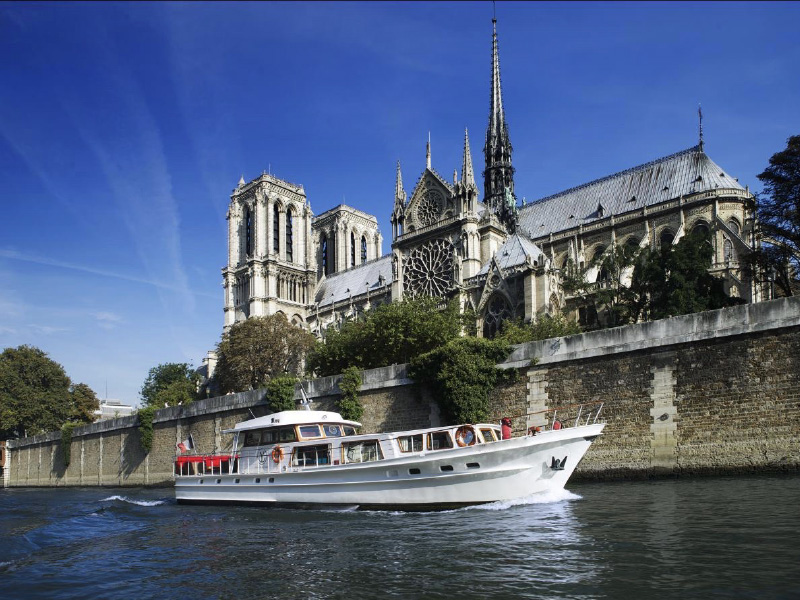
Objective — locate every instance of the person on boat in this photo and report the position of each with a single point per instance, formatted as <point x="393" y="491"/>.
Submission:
<point x="505" y="428"/>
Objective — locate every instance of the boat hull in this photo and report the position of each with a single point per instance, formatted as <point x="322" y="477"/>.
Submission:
<point x="483" y="473"/>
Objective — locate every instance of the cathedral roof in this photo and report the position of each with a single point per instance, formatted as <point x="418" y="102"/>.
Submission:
<point x="351" y="283"/>
<point x="515" y="252"/>
<point x="687" y="172"/>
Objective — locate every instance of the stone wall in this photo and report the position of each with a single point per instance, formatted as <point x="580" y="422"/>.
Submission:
<point x="715" y="392"/>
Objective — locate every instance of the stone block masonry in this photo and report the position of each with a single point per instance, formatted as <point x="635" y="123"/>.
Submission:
<point x="714" y="392"/>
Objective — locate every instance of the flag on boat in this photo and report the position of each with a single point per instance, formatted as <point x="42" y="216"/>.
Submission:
<point x="187" y="444"/>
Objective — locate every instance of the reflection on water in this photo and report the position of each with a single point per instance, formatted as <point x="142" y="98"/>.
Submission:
<point x="704" y="538"/>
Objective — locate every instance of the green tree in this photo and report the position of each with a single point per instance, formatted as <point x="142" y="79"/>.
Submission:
<point x="390" y="334"/>
<point x="253" y="351"/>
<point x="280" y="392"/>
<point x="779" y="216"/>
<point x="83" y="403"/>
<point x="544" y="328"/>
<point x="34" y="393"/>
<point x="461" y="374"/>
<point x="675" y="281"/>
<point x="169" y="384"/>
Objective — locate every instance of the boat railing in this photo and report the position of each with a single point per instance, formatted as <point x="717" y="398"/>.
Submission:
<point x="562" y="417"/>
<point x="206" y="464"/>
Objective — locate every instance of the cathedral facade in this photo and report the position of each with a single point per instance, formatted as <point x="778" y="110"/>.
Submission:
<point x="497" y="258"/>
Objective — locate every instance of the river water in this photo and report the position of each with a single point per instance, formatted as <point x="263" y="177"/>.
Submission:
<point x="687" y="538"/>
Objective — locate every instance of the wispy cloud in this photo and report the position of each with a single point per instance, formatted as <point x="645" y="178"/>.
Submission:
<point x="108" y="320"/>
<point x="47" y="329"/>
<point x="29" y="258"/>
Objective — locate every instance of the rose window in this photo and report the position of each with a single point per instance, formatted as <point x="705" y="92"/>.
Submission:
<point x="429" y="269"/>
<point x="428" y="209"/>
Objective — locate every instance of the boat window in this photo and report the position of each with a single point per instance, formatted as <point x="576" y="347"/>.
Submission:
<point x="311" y="456"/>
<point x="309" y="431"/>
<point x="488" y="435"/>
<point x="252" y="438"/>
<point x="269" y="436"/>
<point x="349" y="430"/>
<point x="287" y="434"/>
<point x="410" y="443"/>
<point x="440" y="440"/>
<point x="332" y="430"/>
<point x="365" y="451"/>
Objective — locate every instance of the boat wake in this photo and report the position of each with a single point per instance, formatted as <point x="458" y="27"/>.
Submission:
<point x="136" y="502"/>
<point x="550" y="497"/>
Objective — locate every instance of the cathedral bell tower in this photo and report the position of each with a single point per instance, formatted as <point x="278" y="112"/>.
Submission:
<point x="498" y="177"/>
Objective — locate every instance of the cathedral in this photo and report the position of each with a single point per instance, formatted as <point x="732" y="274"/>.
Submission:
<point x="498" y="258"/>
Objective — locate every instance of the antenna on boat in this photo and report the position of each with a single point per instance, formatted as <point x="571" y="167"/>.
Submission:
<point x="305" y="402"/>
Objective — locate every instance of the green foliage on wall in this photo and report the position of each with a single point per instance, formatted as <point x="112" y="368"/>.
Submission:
<point x="390" y="334"/>
<point x="280" y="393"/>
<point x="349" y="404"/>
<point x="146" y="415"/>
<point x="461" y="374"/>
<point x="66" y="441"/>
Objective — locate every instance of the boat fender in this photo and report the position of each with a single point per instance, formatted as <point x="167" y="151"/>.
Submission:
<point x="465" y="436"/>
<point x="557" y="425"/>
<point x="277" y="454"/>
<point x="505" y="428"/>
<point x="534" y="430"/>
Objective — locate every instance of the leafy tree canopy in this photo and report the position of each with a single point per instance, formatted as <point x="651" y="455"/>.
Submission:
<point x="34" y="393"/>
<point x="83" y="403"/>
<point x="280" y="392"/>
<point x="253" y="351"/>
<point x="545" y="327"/>
<point x="675" y="281"/>
<point x="779" y="216"/>
<point x="391" y="334"/>
<point x="169" y="384"/>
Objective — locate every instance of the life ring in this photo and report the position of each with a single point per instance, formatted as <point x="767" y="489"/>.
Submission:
<point x="465" y="436"/>
<point x="277" y="454"/>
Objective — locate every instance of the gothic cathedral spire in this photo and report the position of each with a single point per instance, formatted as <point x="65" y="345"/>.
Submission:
<point x="467" y="172"/>
<point x="498" y="177"/>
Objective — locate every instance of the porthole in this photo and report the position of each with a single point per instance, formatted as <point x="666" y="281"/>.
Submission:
<point x="257" y="480"/>
<point x="219" y="480"/>
<point x="236" y="480"/>
<point x="473" y="466"/>
<point x="413" y="471"/>
<point x="272" y="480"/>
<point x="446" y="468"/>
<point x="201" y="481"/>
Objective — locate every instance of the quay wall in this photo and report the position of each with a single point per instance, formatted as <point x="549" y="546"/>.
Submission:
<point x="714" y="392"/>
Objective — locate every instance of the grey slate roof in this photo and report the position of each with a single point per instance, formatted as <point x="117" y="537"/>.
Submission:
<point x="334" y="288"/>
<point x="513" y="253"/>
<point x="686" y="172"/>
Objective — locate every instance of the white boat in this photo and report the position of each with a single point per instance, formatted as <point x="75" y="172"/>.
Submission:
<point x="317" y="458"/>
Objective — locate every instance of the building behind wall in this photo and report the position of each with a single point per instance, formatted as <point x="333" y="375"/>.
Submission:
<point x="494" y="256"/>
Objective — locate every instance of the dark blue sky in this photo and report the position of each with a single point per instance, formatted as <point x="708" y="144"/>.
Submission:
<point x="124" y="127"/>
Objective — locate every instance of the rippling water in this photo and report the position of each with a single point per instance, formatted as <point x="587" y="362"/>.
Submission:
<point x="702" y="538"/>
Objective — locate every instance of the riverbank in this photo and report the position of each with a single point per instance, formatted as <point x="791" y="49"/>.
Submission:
<point x="709" y="393"/>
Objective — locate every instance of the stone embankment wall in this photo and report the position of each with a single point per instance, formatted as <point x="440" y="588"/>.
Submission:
<point x="715" y="392"/>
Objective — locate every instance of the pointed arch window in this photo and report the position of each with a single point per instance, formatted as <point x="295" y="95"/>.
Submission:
<point x="497" y="311"/>
<point x="363" y="249"/>
<point x="276" y="228"/>
<point x="666" y="239"/>
<point x="324" y="247"/>
<point x="289" y="239"/>
<point x="727" y="251"/>
<point x="352" y="249"/>
<point x="248" y="232"/>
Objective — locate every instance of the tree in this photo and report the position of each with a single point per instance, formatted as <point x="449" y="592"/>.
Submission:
<point x="390" y="334"/>
<point x="675" y="281"/>
<point x="34" y="393"/>
<point x="253" y="351"/>
<point x="83" y="403"/>
<point x="169" y="384"/>
<point x="544" y="328"/>
<point x="280" y="392"/>
<point x="779" y="216"/>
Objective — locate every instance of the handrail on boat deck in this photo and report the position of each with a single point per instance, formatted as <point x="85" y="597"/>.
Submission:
<point x="591" y="415"/>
